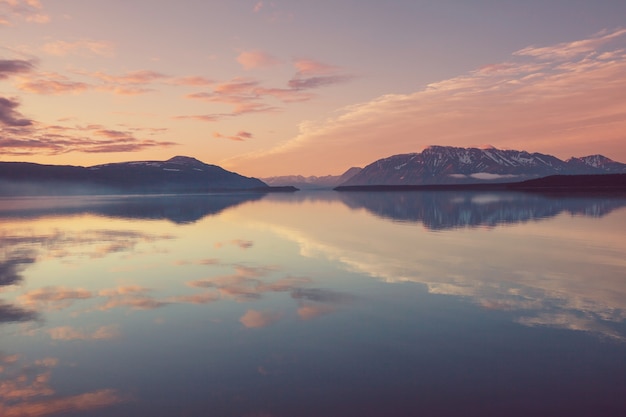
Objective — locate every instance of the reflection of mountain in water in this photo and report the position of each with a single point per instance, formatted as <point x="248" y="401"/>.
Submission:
<point x="176" y="208"/>
<point x="445" y="210"/>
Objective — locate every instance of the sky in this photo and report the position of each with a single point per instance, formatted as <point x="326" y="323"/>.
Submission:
<point x="267" y="88"/>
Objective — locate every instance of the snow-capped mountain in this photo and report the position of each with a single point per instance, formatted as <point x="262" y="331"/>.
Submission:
<point x="453" y="165"/>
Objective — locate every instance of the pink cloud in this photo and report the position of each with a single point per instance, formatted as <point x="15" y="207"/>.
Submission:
<point x="311" y="67"/>
<point x="193" y="80"/>
<point x="133" y="77"/>
<point x="256" y="59"/>
<point x="28" y="10"/>
<point x="239" y="137"/>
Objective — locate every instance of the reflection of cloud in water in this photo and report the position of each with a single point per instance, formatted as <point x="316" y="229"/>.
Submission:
<point x="135" y="297"/>
<point x="315" y="302"/>
<point x="569" y="267"/>
<point x="11" y="268"/>
<point x="70" y="333"/>
<point x="256" y="318"/>
<point x="570" y="321"/>
<point x="240" y="243"/>
<point x="25" y="391"/>
<point x="246" y="282"/>
<point x="10" y="313"/>
<point x="54" y="298"/>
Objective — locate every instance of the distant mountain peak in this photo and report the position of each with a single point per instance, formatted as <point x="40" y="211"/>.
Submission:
<point x="184" y="160"/>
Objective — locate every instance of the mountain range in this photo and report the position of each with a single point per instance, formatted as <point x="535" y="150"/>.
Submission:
<point x="180" y="174"/>
<point x="312" y="182"/>
<point x="454" y="165"/>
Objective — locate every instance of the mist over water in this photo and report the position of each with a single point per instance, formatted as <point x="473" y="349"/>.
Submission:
<point x="313" y="304"/>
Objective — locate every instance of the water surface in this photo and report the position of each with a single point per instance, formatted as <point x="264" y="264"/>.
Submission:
<point x="313" y="304"/>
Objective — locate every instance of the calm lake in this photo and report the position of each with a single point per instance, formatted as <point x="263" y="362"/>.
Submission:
<point x="313" y="304"/>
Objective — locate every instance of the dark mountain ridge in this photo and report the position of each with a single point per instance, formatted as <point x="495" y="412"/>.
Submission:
<point x="180" y="174"/>
<point x="312" y="182"/>
<point x="454" y="165"/>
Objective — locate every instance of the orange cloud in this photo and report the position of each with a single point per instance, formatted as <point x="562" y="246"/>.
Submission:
<point x="256" y="319"/>
<point x="257" y="59"/>
<point x="201" y="117"/>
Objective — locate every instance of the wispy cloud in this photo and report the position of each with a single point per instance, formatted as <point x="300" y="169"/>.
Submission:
<point x="29" y="138"/>
<point x="52" y="83"/>
<point x="238" y="137"/>
<point x="80" y="47"/>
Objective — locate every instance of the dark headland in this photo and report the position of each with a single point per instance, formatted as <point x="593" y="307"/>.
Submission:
<point x="553" y="183"/>
<point x="178" y="175"/>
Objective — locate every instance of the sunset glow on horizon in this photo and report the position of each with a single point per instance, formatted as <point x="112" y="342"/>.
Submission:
<point x="268" y="88"/>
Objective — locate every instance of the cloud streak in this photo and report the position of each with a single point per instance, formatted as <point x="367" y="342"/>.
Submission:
<point x="80" y="47"/>
<point x="29" y="138"/>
